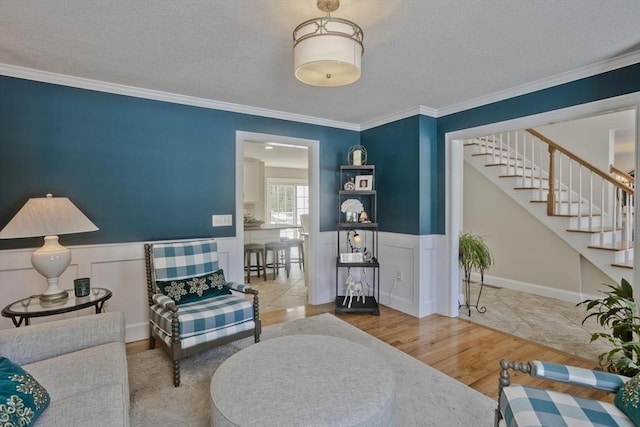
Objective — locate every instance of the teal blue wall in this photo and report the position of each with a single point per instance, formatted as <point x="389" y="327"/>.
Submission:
<point x="409" y="154"/>
<point x="393" y="150"/>
<point x="405" y="154"/>
<point x="606" y="85"/>
<point x="140" y="169"/>
<point x="144" y="170"/>
<point x="431" y="169"/>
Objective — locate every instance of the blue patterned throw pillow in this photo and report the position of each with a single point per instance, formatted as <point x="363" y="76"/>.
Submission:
<point x="22" y="398"/>
<point x="628" y="399"/>
<point x="195" y="288"/>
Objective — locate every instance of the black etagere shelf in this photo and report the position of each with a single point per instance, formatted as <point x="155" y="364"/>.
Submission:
<point x="368" y="197"/>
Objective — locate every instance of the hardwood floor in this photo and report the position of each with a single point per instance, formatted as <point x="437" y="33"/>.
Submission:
<point x="460" y="349"/>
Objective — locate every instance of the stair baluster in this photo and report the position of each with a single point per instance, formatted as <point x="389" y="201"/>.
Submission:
<point x="571" y="185"/>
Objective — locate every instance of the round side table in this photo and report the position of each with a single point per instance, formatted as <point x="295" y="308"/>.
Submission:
<point x="24" y="309"/>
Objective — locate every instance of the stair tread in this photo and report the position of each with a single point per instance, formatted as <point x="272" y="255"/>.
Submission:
<point x="591" y="230"/>
<point x="520" y="176"/>
<point x="470" y="144"/>
<point x="575" y="215"/>
<point x="505" y="164"/>
<point x="536" y="188"/>
<point x="619" y="246"/>
<point x="561" y="201"/>
<point x="494" y="154"/>
<point x="623" y="265"/>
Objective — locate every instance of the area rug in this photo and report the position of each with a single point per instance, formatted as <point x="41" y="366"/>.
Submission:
<point x="424" y="396"/>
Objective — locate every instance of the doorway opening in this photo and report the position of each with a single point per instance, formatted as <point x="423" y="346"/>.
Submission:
<point x="277" y="185"/>
<point x="455" y="185"/>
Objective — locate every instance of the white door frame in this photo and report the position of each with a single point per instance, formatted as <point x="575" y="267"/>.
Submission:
<point x="314" y="200"/>
<point x="447" y="292"/>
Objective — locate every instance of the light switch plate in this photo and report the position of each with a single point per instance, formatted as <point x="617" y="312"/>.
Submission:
<point x="221" y="220"/>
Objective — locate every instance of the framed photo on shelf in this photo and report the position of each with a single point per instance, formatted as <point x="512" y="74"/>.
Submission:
<point x="364" y="182"/>
<point x="352" y="257"/>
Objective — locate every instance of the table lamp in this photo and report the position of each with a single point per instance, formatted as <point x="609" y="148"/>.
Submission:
<point x="48" y="216"/>
<point x="355" y="241"/>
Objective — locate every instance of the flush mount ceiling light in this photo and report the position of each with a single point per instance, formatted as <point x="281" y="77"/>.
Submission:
<point x="328" y="51"/>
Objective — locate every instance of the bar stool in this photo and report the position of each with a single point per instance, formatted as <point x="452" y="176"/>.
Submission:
<point x="258" y="249"/>
<point x="278" y="251"/>
<point x="298" y="244"/>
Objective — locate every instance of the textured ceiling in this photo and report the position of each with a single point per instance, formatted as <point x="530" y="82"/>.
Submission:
<point x="432" y="53"/>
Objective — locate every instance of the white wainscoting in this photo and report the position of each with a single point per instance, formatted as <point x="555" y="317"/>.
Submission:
<point x="415" y="257"/>
<point x="117" y="267"/>
<point x="120" y="268"/>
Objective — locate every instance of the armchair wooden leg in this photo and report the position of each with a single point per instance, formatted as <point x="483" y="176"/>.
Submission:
<point x="176" y="373"/>
<point x="152" y="340"/>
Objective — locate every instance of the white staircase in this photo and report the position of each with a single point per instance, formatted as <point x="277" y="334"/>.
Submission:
<point x="589" y="209"/>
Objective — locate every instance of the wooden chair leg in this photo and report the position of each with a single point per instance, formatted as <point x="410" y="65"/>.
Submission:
<point x="152" y="340"/>
<point x="247" y="264"/>
<point x="176" y="373"/>
<point x="258" y="263"/>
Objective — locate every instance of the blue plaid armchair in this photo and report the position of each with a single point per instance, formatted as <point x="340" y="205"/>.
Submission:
<point x="520" y="405"/>
<point x="191" y="306"/>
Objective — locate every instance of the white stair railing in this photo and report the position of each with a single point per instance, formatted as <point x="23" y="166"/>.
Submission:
<point x="571" y="186"/>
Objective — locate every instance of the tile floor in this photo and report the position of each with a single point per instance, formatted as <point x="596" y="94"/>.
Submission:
<point x="548" y="321"/>
<point x="283" y="292"/>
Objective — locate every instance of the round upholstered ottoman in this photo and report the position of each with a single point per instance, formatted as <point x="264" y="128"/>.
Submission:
<point x="303" y="380"/>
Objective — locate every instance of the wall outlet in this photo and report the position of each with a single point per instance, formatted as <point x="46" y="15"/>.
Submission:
<point x="399" y="276"/>
<point x="221" y="220"/>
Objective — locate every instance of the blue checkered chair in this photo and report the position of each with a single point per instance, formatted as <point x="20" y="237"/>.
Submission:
<point x="188" y="328"/>
<point x="520" y="405"/>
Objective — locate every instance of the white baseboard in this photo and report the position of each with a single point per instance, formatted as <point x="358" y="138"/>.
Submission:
<point x="137" y="332"/>
<point x="532" y="288"/>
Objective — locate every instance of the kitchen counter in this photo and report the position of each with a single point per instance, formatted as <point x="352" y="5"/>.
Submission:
<point x="266" y="233"/>
<point x="271" y="227"/>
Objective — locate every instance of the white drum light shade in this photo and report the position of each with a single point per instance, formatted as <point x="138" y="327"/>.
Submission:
<point x="328" y="52"/>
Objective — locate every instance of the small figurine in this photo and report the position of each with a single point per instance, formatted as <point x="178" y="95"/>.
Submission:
<point x="353" y="289"/>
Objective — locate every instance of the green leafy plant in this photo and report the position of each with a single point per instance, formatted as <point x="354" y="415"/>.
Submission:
<point x="473" y="254"/>
<point x="618" y="312"/>
<point x="250" y="219"/>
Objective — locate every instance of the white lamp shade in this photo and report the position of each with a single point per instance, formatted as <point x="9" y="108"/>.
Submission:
<point x="47" y="216"/>
<point x="327" y="52"/>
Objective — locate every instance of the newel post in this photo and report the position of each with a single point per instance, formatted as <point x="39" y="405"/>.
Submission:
<point x="552" y="178"/>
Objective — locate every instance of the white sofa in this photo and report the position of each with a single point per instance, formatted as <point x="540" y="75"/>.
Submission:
<point x="81" y="362"/>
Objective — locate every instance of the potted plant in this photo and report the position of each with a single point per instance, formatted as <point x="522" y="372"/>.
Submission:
<point x="618" y="312"/>
<point x="473" y="254"/>
<point x="251" y="221"/>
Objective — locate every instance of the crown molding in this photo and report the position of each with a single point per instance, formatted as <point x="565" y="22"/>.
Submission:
<point x="119" y="89"/>
<point x="409" y="112"/>
<point x="79" y="82"/>
<point x="390" y="118"/>
<point x="566" y="77"/>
